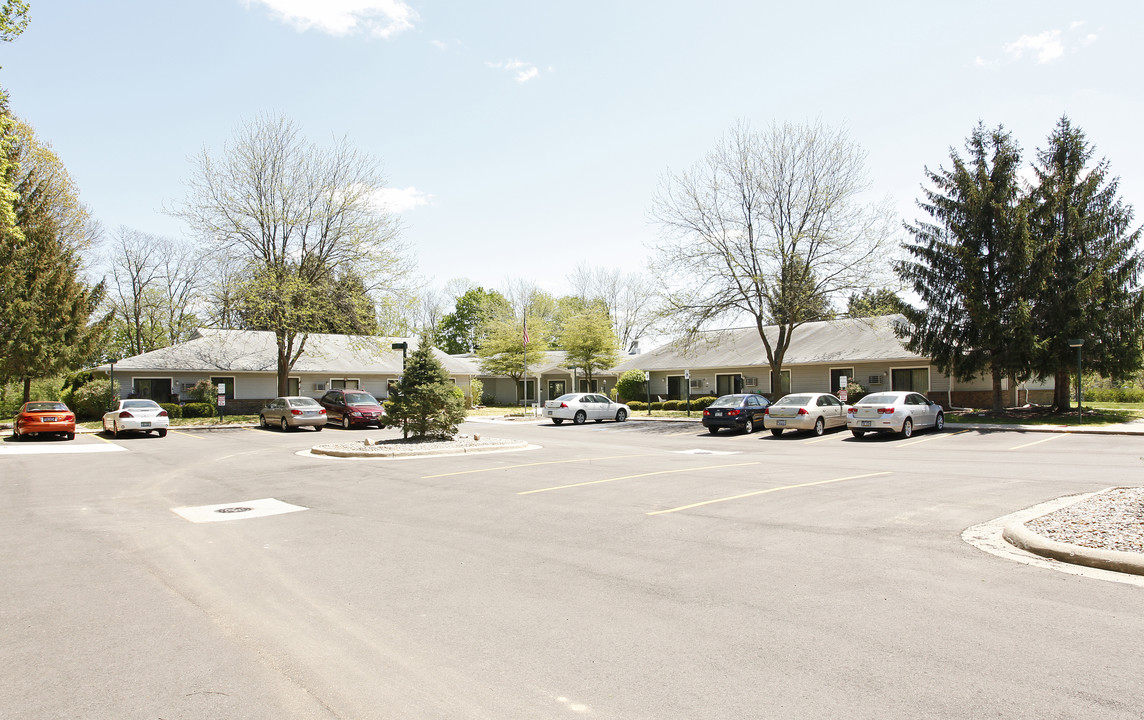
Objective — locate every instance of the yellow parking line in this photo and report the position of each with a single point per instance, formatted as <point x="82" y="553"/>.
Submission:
<point x="630" y="477"/>
<point x="196" y="437"/>
<point x="513" y="467"/>
<point x="768" y="490"/>
<point x="933" y="437"/>
<point x="100" y="437"/>
<point x="1038" y="442"/>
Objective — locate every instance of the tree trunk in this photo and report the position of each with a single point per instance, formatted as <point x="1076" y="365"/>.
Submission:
<point x="27" y="389"/>
<point x="1061" y="387"/>
<point x="998" y="397"/>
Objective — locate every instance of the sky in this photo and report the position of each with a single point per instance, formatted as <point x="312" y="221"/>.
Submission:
<point x="520" y="139"/>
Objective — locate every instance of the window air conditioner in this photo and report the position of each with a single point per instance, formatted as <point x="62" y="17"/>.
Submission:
<point x="750" y="382"/>
<point x="319" y="386"/>
<point x="875" y="380"/>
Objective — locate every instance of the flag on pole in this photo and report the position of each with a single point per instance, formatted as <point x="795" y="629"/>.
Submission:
<point x="526" y="331"/>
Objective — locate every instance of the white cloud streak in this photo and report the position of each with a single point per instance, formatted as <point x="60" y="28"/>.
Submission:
<point x="522" y="71"/>
<point x="399" y="200"/>
<point x="1046" y="46"/>
<point x="380" y="18"/>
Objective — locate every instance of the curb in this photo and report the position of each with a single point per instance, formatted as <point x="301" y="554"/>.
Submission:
<point x="1075" y="430"/>
<point x="1016" y="534"/>
<point x="317" y="450"/>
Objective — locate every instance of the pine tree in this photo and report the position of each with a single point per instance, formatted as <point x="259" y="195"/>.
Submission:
<point x="1089" y="258"/>
<point x="970" y="266"/>
<point x="425" y="399"/>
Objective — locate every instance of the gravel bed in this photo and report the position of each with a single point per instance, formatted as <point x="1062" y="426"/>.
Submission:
<point x="414" y="446"/>
<point x="1110" y="520"/>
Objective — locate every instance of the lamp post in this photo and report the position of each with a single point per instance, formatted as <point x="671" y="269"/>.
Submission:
<point x="403" y="347"/>
<point x="1076" y="343"/>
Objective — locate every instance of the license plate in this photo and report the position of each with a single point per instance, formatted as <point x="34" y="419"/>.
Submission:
<point x="867" y="423"/>
<point x="48" y="419"/>
<point x="781" y="423"/>
<point x="144" y="424"/>
<point x="311" y="413"/>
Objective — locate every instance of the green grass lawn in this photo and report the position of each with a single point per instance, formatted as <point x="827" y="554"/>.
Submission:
<point x="1101" y="415"/>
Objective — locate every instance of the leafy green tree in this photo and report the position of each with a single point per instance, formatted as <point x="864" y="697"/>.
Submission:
<point x="873" y="303"/>
<point x="45" y="319"/>
<point x="426" y="400"/>
<point x="589" y="343"/>
<point x="1089" y="258"/>
<point x="631" y="385"/>
<point x="504" y="351"/>
<point x="13" y="19"/>
<point x="970" y="266"/>
<point x="464" y="329"/>
<point x="295" y="214"/>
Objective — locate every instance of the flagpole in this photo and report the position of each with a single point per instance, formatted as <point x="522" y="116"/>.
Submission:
<point x="524" y="345"/>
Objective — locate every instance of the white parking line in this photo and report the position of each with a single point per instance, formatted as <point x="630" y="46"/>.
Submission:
<point x="59" y="449"/>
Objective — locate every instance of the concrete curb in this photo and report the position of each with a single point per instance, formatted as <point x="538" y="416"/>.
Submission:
<point x="1077" y="430"/>
<point x="1018" y="535"/>
<point x="403" y="453"/>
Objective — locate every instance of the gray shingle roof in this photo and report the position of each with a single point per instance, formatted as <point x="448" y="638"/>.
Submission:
<point x="850" y="340"/>
<point x="256" y="351"/>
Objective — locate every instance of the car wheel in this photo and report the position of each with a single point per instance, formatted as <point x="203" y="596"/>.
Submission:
<point x="858" y="433"/>
<point x="262" y="422"/>
<point x="580" y="418"/>
<point x="161" y="432"/>
<point x="907" y="428"/>
<point x="621" y="415"/>
<point x="819" y="426"/>
<point x="317" y="428"/>
<point x="939" y="424"/>
<point x="777" y="431"/>
<point x="69" y="436"/>
<point x="16" y="433"/>
<point x="749" y="427"/>
<point x="557" y="421"/>
<point x="713" y="430"/>
<point x="345" y="422"/>
<point x="285" y="425"/>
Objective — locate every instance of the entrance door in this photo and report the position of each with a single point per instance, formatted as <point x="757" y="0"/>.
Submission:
<point x="728" y="384"/>
<point x="157" y="389"/>
<point x="555" y="389"/>
<point x="675" y="387"/>
<point x="837" y="374"/>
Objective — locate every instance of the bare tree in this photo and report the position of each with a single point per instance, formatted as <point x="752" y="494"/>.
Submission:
<point x="769" y="225"/>
<point x="299" y="214"/>
<point x="628" y="297"/>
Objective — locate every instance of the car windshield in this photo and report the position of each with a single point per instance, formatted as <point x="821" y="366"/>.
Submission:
<point x="878" y="400"/>
<point x="139" y="404"/>
<point x="798" y="400"/>
<point x="728" y="401"/>
<point x="302" y="402"/>
<point x="45" y="406"/>
<point x="360" y="398"/>
<point x="571" y="396"/>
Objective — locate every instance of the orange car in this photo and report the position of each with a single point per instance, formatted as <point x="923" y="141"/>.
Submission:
<point x="44" y="416"/>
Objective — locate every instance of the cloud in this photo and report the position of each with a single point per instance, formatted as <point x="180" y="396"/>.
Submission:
<point x="399" y="200"/>
<point x="381" y="18"/>
<point x="1047" y="46"/>
<point x="522" y="71"/>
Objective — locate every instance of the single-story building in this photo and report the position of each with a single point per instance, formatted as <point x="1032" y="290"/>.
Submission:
<point x="551" y="375"/>
<point x="245" y="361"/>
<point x="863" y="350"/>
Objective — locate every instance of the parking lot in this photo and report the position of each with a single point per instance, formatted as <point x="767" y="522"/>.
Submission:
<point x="635" y="570"/>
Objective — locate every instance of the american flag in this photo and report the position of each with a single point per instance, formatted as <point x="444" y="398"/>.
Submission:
<point x="526" y="331"/>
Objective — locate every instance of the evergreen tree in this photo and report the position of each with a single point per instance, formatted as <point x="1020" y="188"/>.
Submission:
<point x="873" y="303"/>
<point x="426" y="400"/>
<point x="1089" y="257"/>
<point x="971" y="266"/>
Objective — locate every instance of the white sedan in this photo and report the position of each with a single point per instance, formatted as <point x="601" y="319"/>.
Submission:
<point x="805" y="411"/>
<point x="582" y="407"/>
<point x="136" y="415"/>
<point x="899" y="412"/>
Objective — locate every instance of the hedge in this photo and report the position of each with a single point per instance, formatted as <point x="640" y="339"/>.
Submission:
<point x="637" y="405"/>
<point x="702" y="403"/>
<point x="174" y="410"/>
<point x="1117" y="395"/>
<point x="198" y="410"/>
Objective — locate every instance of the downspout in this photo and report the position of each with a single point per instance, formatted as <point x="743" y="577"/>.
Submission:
<point x="949" y="393"/>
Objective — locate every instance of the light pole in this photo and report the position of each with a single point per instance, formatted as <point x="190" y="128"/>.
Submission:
<point x="403" y="347"/>
<point x="1076" y="343"/>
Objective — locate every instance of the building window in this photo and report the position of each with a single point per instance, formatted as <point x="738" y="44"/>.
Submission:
<point x="344" y="384"/>
<point x="836" y="375"/>
<point x="915" y="379"/>
<point x="228" y="382"/>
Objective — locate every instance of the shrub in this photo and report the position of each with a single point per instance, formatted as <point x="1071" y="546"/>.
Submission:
<point x="198" y="410"/>
<point x="657" y="405"/>
<point x="637" y="405"/>
<point x="1117" y="395"/>
<point x="702" y="403"/>
<point x="91" y="400"/>
<point x="488" y="399"/>
<point x="855" y="392"/>
<point x="631" y="385"/>
<point x="476" y="392"/>
<point x="204" y="392"/>
<point x="174" y="410"/>
<point x="669" y="405"/>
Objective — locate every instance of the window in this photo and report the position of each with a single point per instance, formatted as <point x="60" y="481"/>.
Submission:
<point x="916" y="379"/>
<point x="728" y="384"/>
<point x="527" y="390"/>
<point x="344" y="384"/>
<point x="836" y="375"/>
<point x="229" y="382"/>
<point x="555" y="388"/>
<point x="158" y="389"/>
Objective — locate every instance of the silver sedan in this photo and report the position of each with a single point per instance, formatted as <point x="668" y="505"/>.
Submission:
<point x="805" y="411"/>
<point x="582" y="407"/>
<point x="899" y="412"/>
<point x="292" y="412"/>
